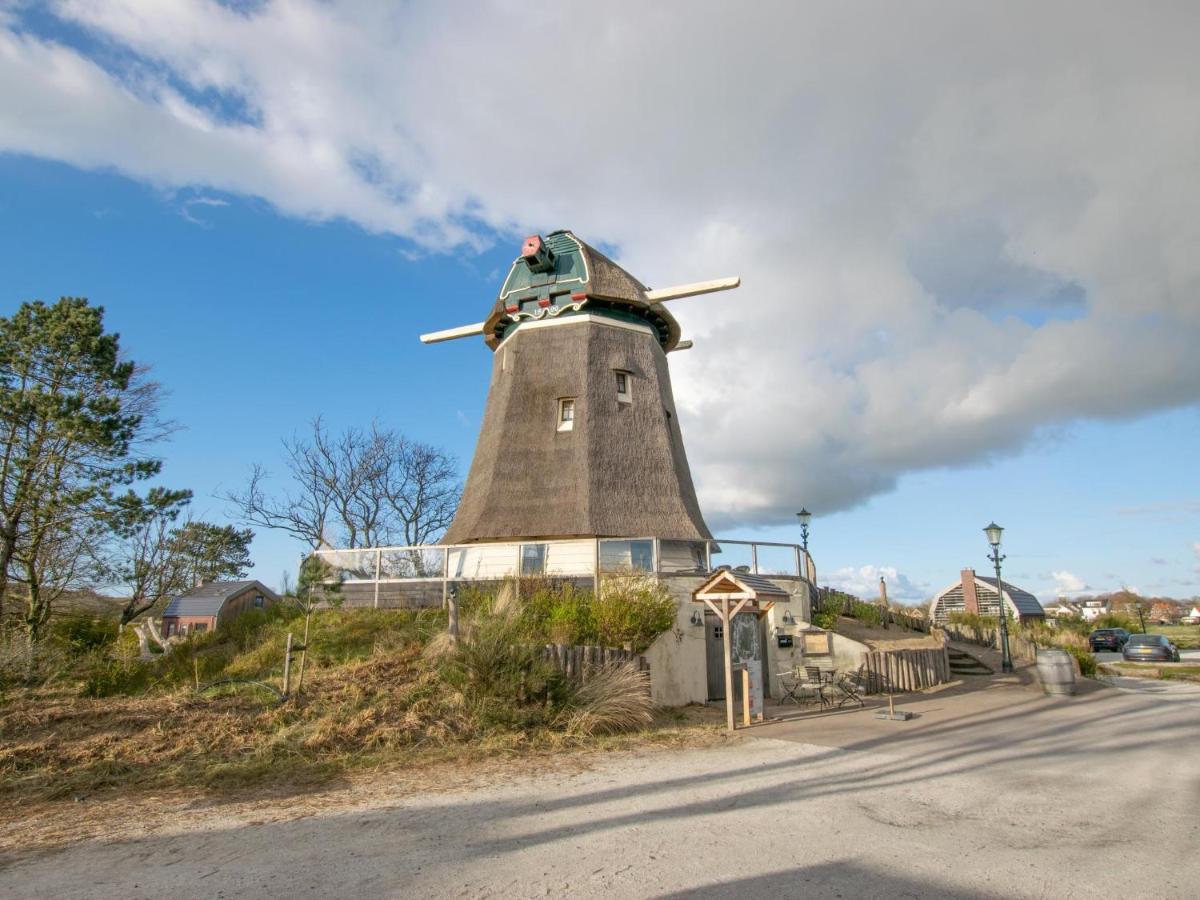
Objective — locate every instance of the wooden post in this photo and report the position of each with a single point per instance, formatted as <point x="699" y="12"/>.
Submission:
<point x="287" y="665"/>
<point x="728" y="664"/>
<point x="452" y="615"/>
<point x="378" y="565"/>
<point x="596" y="568"/>
<point x="196" y="670"/>
<point x="745" y="696"/>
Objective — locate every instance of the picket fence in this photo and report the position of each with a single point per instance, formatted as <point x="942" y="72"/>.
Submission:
<point x="582" y="662"/>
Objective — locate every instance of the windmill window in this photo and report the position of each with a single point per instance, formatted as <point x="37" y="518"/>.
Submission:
<point x="623" y="386"/>
<point x="566" y="413"/>
<point x="259" y="600"/>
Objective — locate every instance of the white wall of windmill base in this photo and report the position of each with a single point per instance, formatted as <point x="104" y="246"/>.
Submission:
<point x="678" y="658"/>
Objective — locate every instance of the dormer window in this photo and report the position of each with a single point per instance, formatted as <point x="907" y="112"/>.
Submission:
<point x="623" y="387"/>
<point x="566" y="413"/>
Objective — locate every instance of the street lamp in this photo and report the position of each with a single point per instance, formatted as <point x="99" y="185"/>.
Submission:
<point x="993" y="532"/>
<point x="1138" y="606"/>
<point x="805" y="517"/>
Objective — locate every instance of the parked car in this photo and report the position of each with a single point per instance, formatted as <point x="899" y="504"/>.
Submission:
<point x="1150" y="647"/>
<point x="1108" y="639"/>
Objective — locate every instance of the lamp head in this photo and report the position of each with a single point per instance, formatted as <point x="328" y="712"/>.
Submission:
<point x="805" y="516"/>
<point x="993" y="532"/>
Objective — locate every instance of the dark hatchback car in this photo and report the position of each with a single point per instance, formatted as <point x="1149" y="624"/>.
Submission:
<point x="1150" y="647"/>
<point x="1108" y="639"/>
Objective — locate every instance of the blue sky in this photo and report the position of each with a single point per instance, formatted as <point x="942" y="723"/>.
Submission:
<point x="969" y="289"/>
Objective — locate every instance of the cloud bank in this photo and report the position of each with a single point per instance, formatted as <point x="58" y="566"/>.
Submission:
<point x="956" y="223"/>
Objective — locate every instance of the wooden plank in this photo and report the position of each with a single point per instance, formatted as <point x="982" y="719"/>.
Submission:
<point x="677" y="292"/>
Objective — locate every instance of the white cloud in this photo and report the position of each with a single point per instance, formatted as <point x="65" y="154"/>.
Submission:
<point x="954" y="224"/>
<point x="1067" y="583"/>
<point x="863" y="582"/>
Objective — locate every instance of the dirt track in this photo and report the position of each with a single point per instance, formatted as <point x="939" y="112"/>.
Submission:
<point x="998" y="793"/>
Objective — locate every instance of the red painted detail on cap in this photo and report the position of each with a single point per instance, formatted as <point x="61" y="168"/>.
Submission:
<point x="544" y="302"/>
<point x="532" y="244"/>
<point x="512" y="307"/>
<point x="579" y="296"/>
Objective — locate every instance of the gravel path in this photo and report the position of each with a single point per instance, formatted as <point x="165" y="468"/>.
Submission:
<point x="1001" y="793"/>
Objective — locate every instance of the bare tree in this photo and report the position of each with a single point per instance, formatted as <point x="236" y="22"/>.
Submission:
<point x="360" y="488"/>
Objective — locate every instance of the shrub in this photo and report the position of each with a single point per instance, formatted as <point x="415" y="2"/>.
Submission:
<point x="82" y="633"/>
<point x="632" y="611"/>
<point x="867" y="613"/>
<point x="826" y="619"/>
<point x="501" y="676"/>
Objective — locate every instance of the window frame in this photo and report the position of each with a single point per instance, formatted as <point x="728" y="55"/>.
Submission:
<point x="566" y="414"/>
<point x="624" y="392"/>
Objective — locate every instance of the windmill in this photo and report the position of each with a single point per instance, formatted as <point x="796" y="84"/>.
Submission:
<point x="580" y="436"/>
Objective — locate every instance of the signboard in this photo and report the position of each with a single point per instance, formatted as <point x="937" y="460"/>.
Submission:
<point x="754" y="668"/>
<point x="816" y="643"/>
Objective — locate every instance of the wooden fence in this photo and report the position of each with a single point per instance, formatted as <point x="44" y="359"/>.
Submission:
<point x="582" y="662"/>
<point x="900" y="671"/>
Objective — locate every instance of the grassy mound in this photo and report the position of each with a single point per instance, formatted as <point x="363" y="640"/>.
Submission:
<point x="381" y="687"/>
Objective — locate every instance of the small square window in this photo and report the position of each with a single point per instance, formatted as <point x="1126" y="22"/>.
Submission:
<point x="623" y="387"/>
<point x="566" y="414"/>
<point x="258" y="601"/>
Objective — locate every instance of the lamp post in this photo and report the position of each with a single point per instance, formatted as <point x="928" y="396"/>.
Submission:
<point x="993" y="532"/>
<point x="1141" y="618"/>
<point x="805" y="517"/>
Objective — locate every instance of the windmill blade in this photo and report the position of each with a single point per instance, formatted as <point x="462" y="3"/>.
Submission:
<point x="682" y="345"/>
<point x="451" y="334"/>
<point x="691" y="290"/>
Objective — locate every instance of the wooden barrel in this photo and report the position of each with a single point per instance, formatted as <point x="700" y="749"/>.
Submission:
<point x="1056" y="671"/>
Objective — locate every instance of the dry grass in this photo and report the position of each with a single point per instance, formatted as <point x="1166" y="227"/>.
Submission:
<point x="373" y="701"/>
<point x="613" y="701"/>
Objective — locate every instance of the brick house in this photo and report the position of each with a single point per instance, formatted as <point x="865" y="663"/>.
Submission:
<point x="204" y="607"/>
<point x="976" y="595"/>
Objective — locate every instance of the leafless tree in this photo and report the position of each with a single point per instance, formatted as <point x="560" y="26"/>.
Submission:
<point x="360" y="488"/>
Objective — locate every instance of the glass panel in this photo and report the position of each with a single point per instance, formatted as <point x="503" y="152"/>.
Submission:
<point x="627" y="556"/>
<point x="411" y="562"/>
<point x="777" y="560"/>
<point x="681" y="557"/>
<point x="732" y="554"/>
<point x="533" y="559"/>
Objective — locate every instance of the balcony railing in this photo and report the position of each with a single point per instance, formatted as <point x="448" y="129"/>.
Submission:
<point x="432" y="568"/>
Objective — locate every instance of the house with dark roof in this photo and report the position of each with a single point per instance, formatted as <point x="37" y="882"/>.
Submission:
<point x="206" y="606"/>
<point x="976" y="595"/>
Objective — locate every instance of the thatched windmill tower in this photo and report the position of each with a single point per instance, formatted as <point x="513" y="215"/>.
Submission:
<point x="580" y="436"/>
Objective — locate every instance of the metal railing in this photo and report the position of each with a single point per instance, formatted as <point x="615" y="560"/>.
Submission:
<point x="379" y="569"/>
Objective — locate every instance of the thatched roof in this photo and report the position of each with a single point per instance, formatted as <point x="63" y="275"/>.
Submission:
<point x="620" y="472"/>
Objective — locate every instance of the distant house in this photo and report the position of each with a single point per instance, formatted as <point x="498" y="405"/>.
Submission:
<point x="1063" y="609"/>
<point x="1091" y="610"/>
<point x="203" y="608"/>
<point x="1192" y="618"/>
<point x="976" y="595"/>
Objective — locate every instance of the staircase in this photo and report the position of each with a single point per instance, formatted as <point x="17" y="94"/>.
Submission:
<point x="962" y="663"/>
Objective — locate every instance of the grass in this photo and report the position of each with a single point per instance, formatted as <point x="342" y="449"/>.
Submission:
<point x="1174" y="672"/>
<point x="1185" y="637"/>
<point x="381" y="690"/>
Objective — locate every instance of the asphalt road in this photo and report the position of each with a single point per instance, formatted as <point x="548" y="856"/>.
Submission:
<point x="1000" y="792"/>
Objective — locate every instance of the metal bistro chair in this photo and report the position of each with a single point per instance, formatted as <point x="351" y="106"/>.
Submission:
<point x="816" y="682"/>
<point x="850" y="686"/>
<point x="798" y="688"/>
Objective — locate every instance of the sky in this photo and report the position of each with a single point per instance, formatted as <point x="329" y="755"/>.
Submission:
<point x="966" y="235"/>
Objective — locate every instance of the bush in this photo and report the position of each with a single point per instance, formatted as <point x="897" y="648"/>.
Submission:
<point x="83" y="633"/>
<point x="825" y="619"/>
<point x="632" y="611"/>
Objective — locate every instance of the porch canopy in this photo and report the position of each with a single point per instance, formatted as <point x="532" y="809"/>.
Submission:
<point x="746" y="591"/>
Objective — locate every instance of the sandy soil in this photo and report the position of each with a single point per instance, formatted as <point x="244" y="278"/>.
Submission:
<point x="993" y="792"/>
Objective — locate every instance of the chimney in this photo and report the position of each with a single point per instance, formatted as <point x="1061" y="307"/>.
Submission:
<point x="970" y="601"/>
<point x="883" y="591"/>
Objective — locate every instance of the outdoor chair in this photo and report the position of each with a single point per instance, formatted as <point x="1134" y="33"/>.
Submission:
<point x="816" y="683"/>
<point x="850" y="687"/>
<point x="798" y="688"/>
